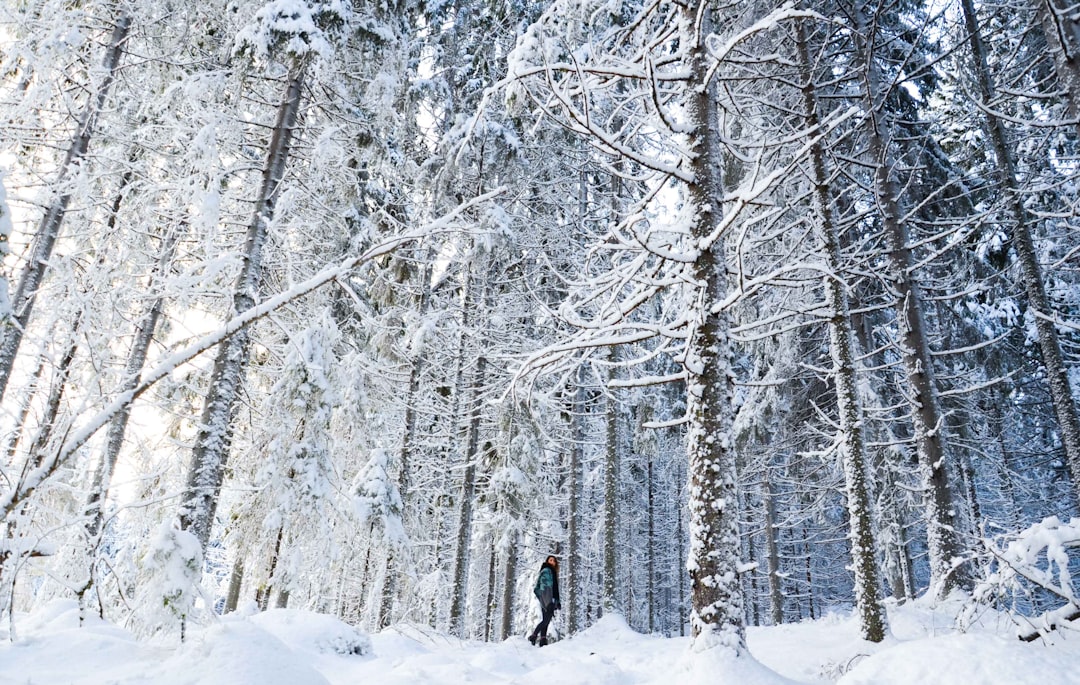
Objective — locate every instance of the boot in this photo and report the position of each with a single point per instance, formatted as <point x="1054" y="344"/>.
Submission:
<point x="532" y="638"/>
<point x="543" y="641"/>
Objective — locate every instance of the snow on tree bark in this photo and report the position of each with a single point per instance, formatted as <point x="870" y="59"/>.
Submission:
<point x="716" y="596"/>
<point x="211" y="450"/>
<point x="914" y="346"/>
<point x="1057" y="376"/>
<point x="842" y="351"/>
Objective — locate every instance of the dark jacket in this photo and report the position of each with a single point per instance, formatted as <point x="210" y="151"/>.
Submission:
<point x="547" y="586"/>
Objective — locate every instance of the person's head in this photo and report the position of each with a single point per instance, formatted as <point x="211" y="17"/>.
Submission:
<point x="552" y="561"/>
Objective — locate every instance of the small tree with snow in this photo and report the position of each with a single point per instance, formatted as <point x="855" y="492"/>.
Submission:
<point x="174" y="562"/>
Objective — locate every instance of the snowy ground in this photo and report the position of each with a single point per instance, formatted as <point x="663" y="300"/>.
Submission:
<point x="285" y="647"/>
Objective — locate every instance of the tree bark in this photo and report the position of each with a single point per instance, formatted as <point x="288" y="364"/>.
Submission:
<point x="1067" y="36"/>
<point x="1061" y="26"/>
<point x="114" y="439"/>
<point x="211" y="450"/>
<point x="716" y="596"/>
<point x="572" y="572"/>
<point x="468" y="491"/>
<point x="609" y="600"/>
<point x="776" y="592"/>
<point x="842" y="352"/>
<point x="914" y="346"/>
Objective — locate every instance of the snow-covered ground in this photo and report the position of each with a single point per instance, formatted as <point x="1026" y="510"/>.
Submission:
<point x="287" y="647"/>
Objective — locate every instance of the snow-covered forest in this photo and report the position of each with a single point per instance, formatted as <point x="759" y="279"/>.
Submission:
<point x="751" y="312"/>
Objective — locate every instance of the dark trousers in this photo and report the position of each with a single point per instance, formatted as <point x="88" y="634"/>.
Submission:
<point x="546" y="614"/>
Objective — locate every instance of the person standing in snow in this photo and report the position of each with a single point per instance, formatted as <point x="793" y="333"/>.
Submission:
<point x="547" y="591"/>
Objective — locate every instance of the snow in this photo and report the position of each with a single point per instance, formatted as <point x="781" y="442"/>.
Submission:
<point x="294" y="647"/>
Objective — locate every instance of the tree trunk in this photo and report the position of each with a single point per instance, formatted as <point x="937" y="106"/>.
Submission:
<point x="236" y="580"/>
<point x="114" y="440"/>
<point x="468" y="488"/>
<point x="489" y="613"/>
<point x="1061" y="26"/>
<point x="390" y="577"/>
<point x="716" y="596"/>
<point x="650" y="548"/>
<point x="24" y="411"/>
<point x="509" y="577"/>
<point x="49" y="229"/>
<point x="609" y="600"/>
<point x="842" y="351"/>
<point x="914" y="347"/>
<point x="211" y="450"/>
<point x="1067" y="36"/>
<point x="776" y="591"/>
<point x="572" y="572"/>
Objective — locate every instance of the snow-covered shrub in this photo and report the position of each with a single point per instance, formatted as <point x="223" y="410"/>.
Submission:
<point x="174" y="561"/>
<point x="1030" y="572"/>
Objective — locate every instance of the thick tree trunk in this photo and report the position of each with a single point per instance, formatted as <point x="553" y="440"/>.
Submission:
<point x="212" y="444"/>
<point x="509" y="578"/>
<point x="1067" y="36"/>
<point x="49" y="229"/>
<point x="716" y="595"/>
<point x="914" y="346"/>
<point x="236" y="581"/>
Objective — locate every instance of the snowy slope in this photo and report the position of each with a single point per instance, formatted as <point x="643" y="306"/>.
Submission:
<point x="287" y="647"/>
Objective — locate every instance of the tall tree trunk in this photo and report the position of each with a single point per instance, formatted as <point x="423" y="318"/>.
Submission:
<point x="842" y="351"/>
<point x="928" y="421"/>
<point x="140" y="348"/>
<point x="489" y="613"/>
<point x="390" y="576"/>
<point x="49" y="229"/>
<point x="609" y="600"/>
<point x="1067" y="35"/>
<point x="212" y="444"/>
<point x="468" y="491"/>
<point x="716" y="595"/>
<point x="573" y="571"/>
<point x="1061" y="26"/>
<point x="776" y="591"/>
<point x="650" y="547"/>
<point x="13" y="555"/>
